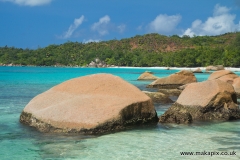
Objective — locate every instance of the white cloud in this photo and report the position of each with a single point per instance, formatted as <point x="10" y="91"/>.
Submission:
<point x="29" y="2"/>
<point x="164" y="23"/>
<point x="221" y="22"/>
<point x="73" y="27"/>
<point x="102" y="25"/>
<point x="220" y="10"/>
<point x="121" y="28"/>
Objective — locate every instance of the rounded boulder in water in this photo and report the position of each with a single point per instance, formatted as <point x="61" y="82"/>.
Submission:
<point x="147" y="76"/>
<point x="91" y="104"/>
<point x="208" y="100"/>
<point x="174" y="80"/>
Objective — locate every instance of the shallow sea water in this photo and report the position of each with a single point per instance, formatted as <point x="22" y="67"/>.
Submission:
<point x="20" y="84"/>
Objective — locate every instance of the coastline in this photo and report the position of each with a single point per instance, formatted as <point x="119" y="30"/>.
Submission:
<point x="127" y="67"/>
<point x="179" y="68"/>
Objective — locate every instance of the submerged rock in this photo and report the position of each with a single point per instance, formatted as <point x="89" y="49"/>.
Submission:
<point x="91" y="104"/>
<point x="147" y="76"/>
<point x="174" y="80"/>
<point x="209" y="100"/>
<point x="158" y="97"/>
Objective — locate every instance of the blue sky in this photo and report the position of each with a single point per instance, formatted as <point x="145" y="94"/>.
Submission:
<point x="39" y="23"/>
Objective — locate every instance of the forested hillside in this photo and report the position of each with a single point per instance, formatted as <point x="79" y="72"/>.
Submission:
<point x="147" y="50"/>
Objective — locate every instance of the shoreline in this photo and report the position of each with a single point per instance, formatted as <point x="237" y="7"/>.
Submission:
<point x="179" y="68"/>
<point x="127" y="67"/>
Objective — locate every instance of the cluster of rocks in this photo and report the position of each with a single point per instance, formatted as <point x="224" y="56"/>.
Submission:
<point x="103" y="103"/>
<point x="167" y="86"/>
<point x="97" y="63"/>
<point x="214" y="99"/>
<point x="208" y="69"/>
<point x="215" y="68"/>
<point x="11" y="65"/>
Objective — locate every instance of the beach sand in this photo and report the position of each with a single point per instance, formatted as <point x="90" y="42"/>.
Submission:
<point x="180" y="68"/>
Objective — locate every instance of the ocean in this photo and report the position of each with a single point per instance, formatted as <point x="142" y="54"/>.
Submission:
<point x="164" y="141"/>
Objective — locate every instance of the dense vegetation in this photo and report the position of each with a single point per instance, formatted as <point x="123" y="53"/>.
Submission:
<point x="146" y="50"/>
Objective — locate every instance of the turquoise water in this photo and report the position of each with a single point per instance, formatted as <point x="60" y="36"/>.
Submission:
<point x="20" y="84"/>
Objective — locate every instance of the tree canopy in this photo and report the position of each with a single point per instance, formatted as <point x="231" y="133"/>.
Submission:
<point x="142" y="51"/>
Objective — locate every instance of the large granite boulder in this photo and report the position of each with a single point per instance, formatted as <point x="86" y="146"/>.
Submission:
<point x="174" y="80"/>
<point x="91" y="104"/>
<point x="214" y="68"/>
<point x="223" y="75"/>
<point x="158" y="97"/>
<point x="208" y="100"/>
<point x="147" y="76"/>
<point x="236" y="86"/>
